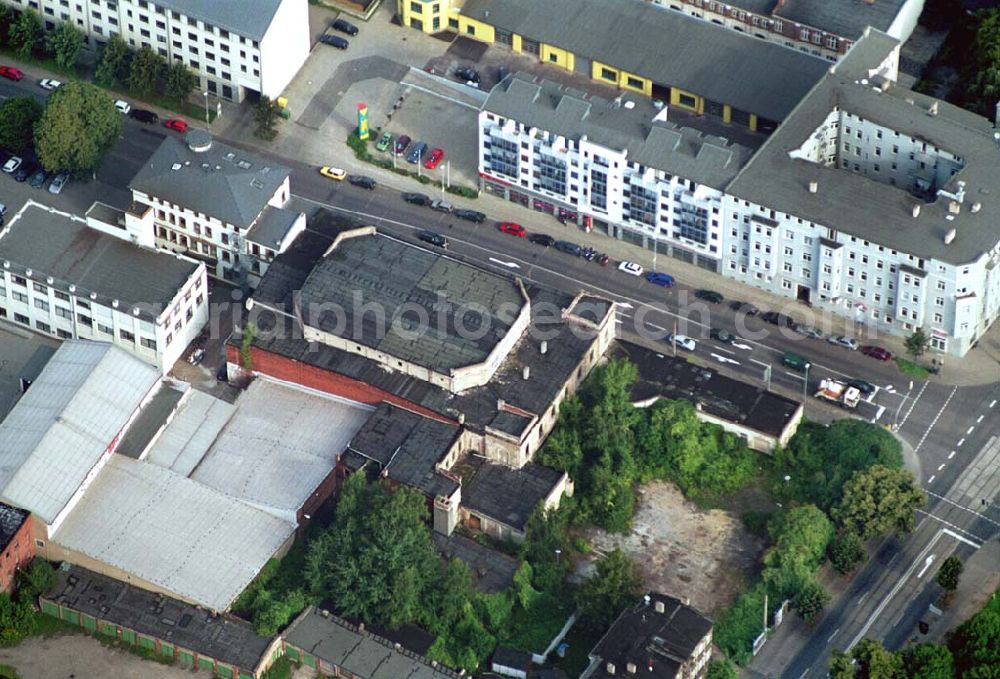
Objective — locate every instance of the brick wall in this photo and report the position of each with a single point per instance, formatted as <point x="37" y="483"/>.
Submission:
<point x="19" y="551"/>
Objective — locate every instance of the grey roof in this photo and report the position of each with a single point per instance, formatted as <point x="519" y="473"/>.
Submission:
<point x="62" y="426"/>
<point x="359" y="653"/>
<point x="669" y="48"/>
<point x="227" y="639"/>
<point x="658" y="643"/>
<point x="185" y="441"/>
<point x="33" y="368"/>
<point x="505" y="656"/>
<point x="272" y="227"/>
<point x="658" y="144"/>
<point x="250" y="18"/>
<point x="855" y="205"/>
<point x="404" y="282"/>
<point x="62" y="246"/>
<point x="11" y="520"/>
<point x="502" y="493"/>
<point x="168" y="530"/>
<point x="763" y="7"/>
<point x="492" y="571"/>
<point x="150" y="420"/>
<point x="223" y="181"/>
<point x="846" y="18"/>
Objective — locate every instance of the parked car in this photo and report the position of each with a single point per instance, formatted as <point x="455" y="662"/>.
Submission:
<point x="176" y="124"/>
<point x="631" y="268"/>
<point x="334" y="41"/>
<point x="49" y="84"/>
<point x="780" y="320"/>
<point x="362" y="181"/>
<point x="709" y="296"/>
<point x="568" y="248"/>
<point x="11" y="165"/>
<point x="660" y="278"/>
<point x="38" y="178"/>
<point x="417" y="198"/>
<point x="513" y="228"/>
<point x="470" y="215"/>
<point x="744" y="307"/>
<point x="721" y="335"/>
<point x="807" y="330"/>
<point x="344" y="27"/>
<point x="542" y="239"/>
<point x="433" y="238"/>
<point x="866" y="388"/>
<point x="143" y="116"/>
<point x="417" y="151"/>
<point x="333" y="173"/>
<point x="402" y="142"/>
<point x="467" y="74"/>
<point x="843" y="341"/>
<point x="384" y="141"/>
<point x="442" y="206"/>
<point x="875" y="352"/>
<point x="58" y="182"/>
<point x="434" y="159"/>
<point x="683" y="341"/>
<point x="26" y="170"/>
<point x="123" y="106"/>
<point x="795" y="361"/>
<point x="11" y="73"/>
<point x="3" y="213"/>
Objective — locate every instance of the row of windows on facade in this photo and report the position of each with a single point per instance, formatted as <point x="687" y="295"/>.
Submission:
<point x="814" y="36"/>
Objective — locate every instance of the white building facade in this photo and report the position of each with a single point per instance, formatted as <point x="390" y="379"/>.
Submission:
<point x="231" y="47"/>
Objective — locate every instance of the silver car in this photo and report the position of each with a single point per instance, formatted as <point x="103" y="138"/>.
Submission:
<point x="843" y="341"/>
<point x="59" y="182"/>
<point x="807" y="330"/>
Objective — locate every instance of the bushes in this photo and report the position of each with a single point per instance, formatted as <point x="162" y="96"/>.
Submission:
<point x="741" y="623"/>
<point x="846" y="552"/>
<point x="463" y="191"/>
<point x="361" y="152"/>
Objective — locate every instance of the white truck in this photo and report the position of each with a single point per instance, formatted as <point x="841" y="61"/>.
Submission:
<point x="839" y="393"/>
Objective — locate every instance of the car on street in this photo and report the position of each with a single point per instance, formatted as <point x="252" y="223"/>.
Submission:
<point x="334" y="41"/>
<point x="513" y="228"/>
<point x="442" y="206"/>
<point x="470" y="215"/>
<point x="843" y="341"/>
<point x="176" y="124"/>
<point x="14" y="162"/>
<point x="631" y="268"/>
<point x="866" y="388"/>
<point x="744" y="307"/>
<point x="333" y="173"/>
<point x="26" y="170"/>
<point x="38" y="178"/>
<point x="780" y="320"/>
<point x="710" y="296"/>
<point x="660" y="278"/>
<point x="144" y="116"/>
<point x="123" y="106"/>
<point x="721" y="335"/>
<point x="568" y="247"/>
<point x="875" y="352"/>
<point x="417" y="198"/>
<point x="807" y="331"/>
<point x="434" y="159"/>
<point x="467" y="74"/>
<point x="417" y="151"/>
<point x="49" y="84"/>
<point x="542" y="239"/>
<point x="683" y="341"/>
<point x="795" y="361"/>
<point x="402" y="142"/>
<point x="384" y="141"/>
<point x="11" y="73"/>
<point x="58" y="182"/>
<point x="362" y="181"/>
<point x="433" y="238"/>
<point x="344" y="27"/>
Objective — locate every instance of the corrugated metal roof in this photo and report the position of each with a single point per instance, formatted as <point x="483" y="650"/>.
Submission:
<point x="185" y="441"/>
<point x="60" y="428"/>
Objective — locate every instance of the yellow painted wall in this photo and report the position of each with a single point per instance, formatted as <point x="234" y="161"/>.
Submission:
<point x="645" y="88"/>
<point x="675" y="100"/>
<point x="515" y="42"/>
<point x="551" y="54"/>
<point x="727" y="113"/>
<point x="483" y="32"/>
<point x="426" y="16"/>
<point x="753" y="122"/>
<point x="595" y="72"/>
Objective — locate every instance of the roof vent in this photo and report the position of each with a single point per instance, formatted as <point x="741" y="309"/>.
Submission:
<point x="646" y="599"/>
<point x="114" y="303"/>
<point x="176" y="166"/>
<point x="72" y="288"/>
<point x="50" y="280"/>
<point x="28" y="272"/>
<point x="629" y="104"/>
<point x="544" y="348"/>
<point x="526" y="372"/>
<point x="218" y="167"/>
<point x="950" y="236"/>
<point x="93" y="295"/>
<point x="610" y="668"/>
<point x="659" y="608"/>
<point x="916" y="210"/>
<point x="198" y="140"/>
<point x="954" y="207"/>
<point x="976" y="207"/>
<point x="205" y="166"/>
<point x="813" y="186"/>
<point x="630" y="667"/>
<point x="6" y="263"/>
<point x="135" y="311"/>
<point x="244" y="164"/>
<point x="933" y="110"/>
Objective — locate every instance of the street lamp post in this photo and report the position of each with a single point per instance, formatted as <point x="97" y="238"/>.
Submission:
<point x="805" y="384"/>
<point x="208" y="121"/>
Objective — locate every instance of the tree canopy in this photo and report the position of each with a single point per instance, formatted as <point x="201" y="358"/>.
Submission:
<point x="180" y="81"/>
<point x="65" y="43"/>
<point x="928" y="661"/>
<point x="950" y="572"/>
<point x="26" y="33"/>
<point x="18" y="116"/>
<point x="146" y="70"/>
<point x="113" y="65"/>
<point x="878" y="501"/>
<point x="615" y="585"/>
<point x="846" y="551"/>
<point x="800" y="537"/>
<point x="80" y="124"/>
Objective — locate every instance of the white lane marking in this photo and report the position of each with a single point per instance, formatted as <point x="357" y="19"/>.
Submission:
<point x="951" y="454"/>
<point x="960" y="442"/>
<point x="620" y="321"/>
<point x="835" y="633"/>
<point x="654" y="326"/>
<point x="745" y="347"/>
<point x="979" y="421"/>
<point x="961" y="539"/>
<point x="725" y="350"/>
<point x="724" y="359"/>
<point x="863" y="596"/>
<point x="955" y="528"/>
<point x="936" y="417"/>
<point x="927" y="564"/>
<point x="931" y="479"/>
<point x="970" y="430"/>
<point x="878" y="414"/>
<point x="963" y="507"/>
<point x="941" y="466"/>
<point x="993" y="403"/>
<point x="509" y="265"/>
<point x="624" y="305"/>
<point x="914" y="404"/>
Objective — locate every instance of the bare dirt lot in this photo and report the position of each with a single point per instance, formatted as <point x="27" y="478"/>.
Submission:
<point x="685" y="551"/>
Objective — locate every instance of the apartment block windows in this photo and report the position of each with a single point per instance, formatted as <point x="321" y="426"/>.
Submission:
<point x="642" y="204"/>
<point x="598" y="189"/>
<point x="503" y="157"/>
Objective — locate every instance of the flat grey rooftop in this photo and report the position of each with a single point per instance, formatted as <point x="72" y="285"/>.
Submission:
<point x="249" y="18"/>
<point x="502" y="493"/>
<point x="855" y="205"/>
<point x="150" y="420"/>
<point x="655" y="143"/>
<point x="56" y="244"/>
<point x="846" y="18"/>
<point x="272" y="227"/>
<point x="664" y="46"/>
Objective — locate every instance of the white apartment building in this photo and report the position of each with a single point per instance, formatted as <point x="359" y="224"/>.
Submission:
<point x="234" y="46"/>
<point x="76" y="278"/>
<point x="216" y="203"/>
<point x="618" y="165"/>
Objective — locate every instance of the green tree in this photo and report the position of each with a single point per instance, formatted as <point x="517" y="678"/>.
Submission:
<point x="16" y="619"/>
<point x="546" y="548"/>
<point x="800" y="537"/>
<point x="928" y="661"/>
<point x="113" y="66"/>
<point x="614" y="586"/>
<point x="982" y="64"/>
<point x="975" y="644"/>
<point x="180" y="81"/>
<point x="273" y="612"/>
<point x="146" y="71"/>
<point x="917" y="343"/>
<point x="7" y="18"/>
<point x="940" y="14"/>
<point x="950" y="572"/>
<point x="265" y="114"/>
<point x="563" y="448"/>
<point x="721" y="669"/>
<point x="18" y="116"/>
<point x="26" y="33"/>
<point x="878" y="501"/>
<point x="65" y="43"/>
<point x="875" y="662"/>
<point x="36" y="579"/>
<point x="846" y="552"/>
<point x="80" y="124"/>
<point x="841" y="666"/>
<point x="810" y="600"/>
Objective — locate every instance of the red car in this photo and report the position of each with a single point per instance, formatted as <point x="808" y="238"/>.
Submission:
<point x="876" y="352"/>
<point x="434" y="159"/>
<point x="11" y="73"/>
<point x="176" y="124"/>
<point x="513" y="229"/>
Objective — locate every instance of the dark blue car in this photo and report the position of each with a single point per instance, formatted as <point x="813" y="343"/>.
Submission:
<point x="664" y="279"/>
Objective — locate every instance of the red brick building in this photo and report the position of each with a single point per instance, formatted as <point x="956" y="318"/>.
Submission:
<point x="16" y="546"/>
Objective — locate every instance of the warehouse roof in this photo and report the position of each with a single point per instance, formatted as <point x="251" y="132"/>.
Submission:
<point x="60" y="245"/>
<point x="227" y="639"/>
<point x="857" y="206"/>
<point x="62" y="426"/>
<point x="210" y="177"/>
<point x="150" y="420"/>
<point x="629" y="124"/>
<point x="669" y="48"/>
<point x="502" y="493"/>
<point x="231" y="15"/>
<point x="846" y="18"/>
<point x="173" y="532"/>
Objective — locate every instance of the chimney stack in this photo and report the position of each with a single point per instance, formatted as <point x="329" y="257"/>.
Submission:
<point x="916" y="210"/>
<point x="950" y="236"/>
<point x="954" y="207"/>
<point x="526" y="372"/>
<point x="660" y="608"/>
<point x="630" y="668"/>
<point x="813" y="186"/>
<point x="544" y="348"/>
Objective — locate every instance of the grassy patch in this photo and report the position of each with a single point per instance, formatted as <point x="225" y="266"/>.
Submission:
<point x="533" y="629"/>
<point x="8" y="672"/>
<point x="283" y="668"/>
<point x="47" y="63"/>
<point x="911" y="369"/>
<point x="48" y="626"/>
<point x="579" y="641"/>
